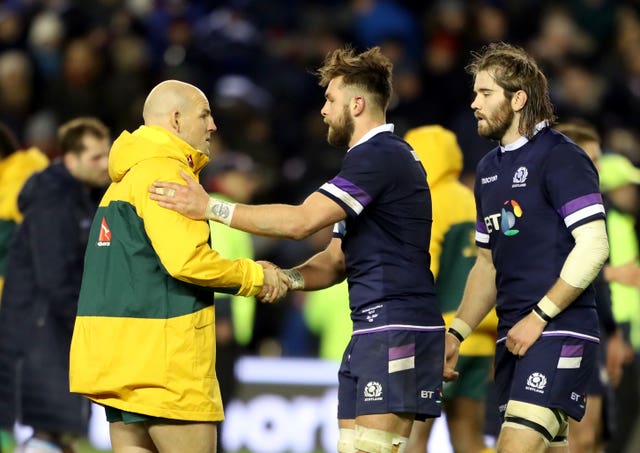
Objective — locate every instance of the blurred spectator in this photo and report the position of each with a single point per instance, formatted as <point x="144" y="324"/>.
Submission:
<point x="233" y="177"/>
<point x="326" y="313"/>
<point x="11" y="27"/>
<point x="559" y="37"/>
<point x="39" y="302"/>
<point x="622" y="105"/>
<point x="46" y="41"/>
<point x="595" y="19"/>
<point x="78" y="90"/>
<point x="378" y="20"/>
<point x="491" y="22"/>
<point x="574" y="79"/>
<point x="41" y="132"/>
<point x="127" y="82"/>
<point x="623" y="141"/>
<point x="619" y="181"/>
<point x="16" y="165"/>
<point x="16" y="89"/>
<point x="598" y="424"/>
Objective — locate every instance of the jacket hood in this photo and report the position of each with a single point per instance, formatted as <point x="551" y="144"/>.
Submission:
<point x="151" y="142"/>
<point x="438" y="151"/>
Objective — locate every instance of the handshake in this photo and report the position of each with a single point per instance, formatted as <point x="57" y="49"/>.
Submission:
<point x="277" y="282"/>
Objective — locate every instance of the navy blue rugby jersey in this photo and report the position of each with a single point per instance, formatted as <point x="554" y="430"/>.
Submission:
<point x="385" y="238"/>
<point x="530" y="195"/>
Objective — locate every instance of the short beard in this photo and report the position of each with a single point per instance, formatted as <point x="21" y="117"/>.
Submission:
<point x="340" y="135"/>
<point x="498" y="126"/>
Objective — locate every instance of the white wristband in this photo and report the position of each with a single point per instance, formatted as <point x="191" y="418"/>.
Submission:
<point x="220" y="211"/>
<point x="296" y="280"/>
<point x="548" y="307"/>
<point x="461" y="328"/>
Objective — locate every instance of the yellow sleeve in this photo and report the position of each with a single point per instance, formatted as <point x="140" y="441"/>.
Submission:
<point x="182" y="244"/>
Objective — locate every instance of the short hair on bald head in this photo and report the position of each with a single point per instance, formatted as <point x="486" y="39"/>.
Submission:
<point x="164" y="98"/>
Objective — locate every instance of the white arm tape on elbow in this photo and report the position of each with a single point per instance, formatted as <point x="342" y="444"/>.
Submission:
<point x="220" y="211"/>
<point x="588" y="255"/>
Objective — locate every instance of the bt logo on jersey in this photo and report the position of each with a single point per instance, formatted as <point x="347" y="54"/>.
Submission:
<point x="506" y="219"/>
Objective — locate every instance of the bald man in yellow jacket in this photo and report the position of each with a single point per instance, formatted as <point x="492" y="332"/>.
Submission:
<point x="144" y="341"/>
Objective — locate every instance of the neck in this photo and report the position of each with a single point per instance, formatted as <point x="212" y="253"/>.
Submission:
<point x="512" y="134"/>
<point x="364" y="126"/>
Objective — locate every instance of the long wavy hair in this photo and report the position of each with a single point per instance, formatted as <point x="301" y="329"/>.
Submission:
<point x="513" y="69"/>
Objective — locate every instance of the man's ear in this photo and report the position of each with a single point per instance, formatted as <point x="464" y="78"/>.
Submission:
<point x="358" y="104"/>
<point x="175" y="120"/>
<point x="70" y="160"/>
<point x="519" y="100"/>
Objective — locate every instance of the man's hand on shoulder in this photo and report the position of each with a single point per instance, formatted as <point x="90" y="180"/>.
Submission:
<point x="190" y="200"/>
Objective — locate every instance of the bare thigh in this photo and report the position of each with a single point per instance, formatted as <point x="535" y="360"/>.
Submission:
<point x="131" y="438"/>
<point x="197" y="437"/>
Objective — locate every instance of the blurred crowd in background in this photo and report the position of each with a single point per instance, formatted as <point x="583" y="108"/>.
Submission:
<point x="255" y="61"/>
<point x="60" y="59"/>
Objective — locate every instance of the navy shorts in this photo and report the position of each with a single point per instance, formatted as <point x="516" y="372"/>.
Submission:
<point x="554" y="373"/>
<point x="597" y="385"/>
<point x="394" y="371"/>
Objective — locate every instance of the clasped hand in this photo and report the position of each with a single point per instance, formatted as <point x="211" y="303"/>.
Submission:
<point x="276" y="283"/>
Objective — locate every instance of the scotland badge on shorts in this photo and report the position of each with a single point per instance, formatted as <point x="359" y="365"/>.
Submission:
<point x="536" y="382"/>
<point x="373" y="391"/>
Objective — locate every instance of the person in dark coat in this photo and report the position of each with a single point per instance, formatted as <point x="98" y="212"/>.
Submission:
<point x="42" y="283"/>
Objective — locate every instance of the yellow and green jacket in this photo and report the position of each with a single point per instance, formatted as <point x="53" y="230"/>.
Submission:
<point x="452" y="247"/>
<point x="143" y="340"/>
<point x="15" y="169"/>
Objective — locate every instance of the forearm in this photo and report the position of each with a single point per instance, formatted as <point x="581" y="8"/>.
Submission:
<point x="278" y="220"/>
<point x="479" y="294"/>
<point x="319" y="273"/>
<point x="581" y="267"/>
<point x="274" y="220"/>
<point x="322" y="270"/>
